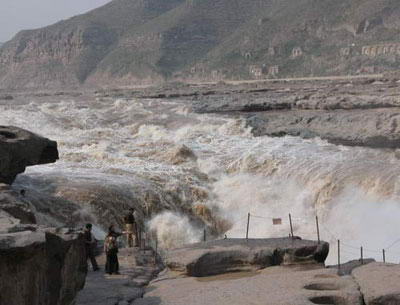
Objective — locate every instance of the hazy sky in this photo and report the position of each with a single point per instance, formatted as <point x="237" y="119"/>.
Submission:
<point x="16" y="15"/>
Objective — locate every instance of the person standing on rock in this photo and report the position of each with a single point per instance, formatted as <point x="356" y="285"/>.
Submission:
<point x="130" y="228"/>
<point x="90" y="243"/>
<point x="111" y="250"/>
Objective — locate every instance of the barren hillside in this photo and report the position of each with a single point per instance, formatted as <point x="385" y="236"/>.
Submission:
<point x="130" y="42"/>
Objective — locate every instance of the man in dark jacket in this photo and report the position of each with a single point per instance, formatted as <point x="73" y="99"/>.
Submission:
<point x="90" y="243"/>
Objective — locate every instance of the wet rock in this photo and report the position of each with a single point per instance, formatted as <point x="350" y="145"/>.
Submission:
<point x="181" y="154"/>
<point x="20" y="148"/>
<point x="232" y="255"/>
<point x="372" y="128"/>
<point x="6" y="97"/>
<point x="379" y="283"/>
<point x="14" y="206"/>
<point x="47" y="265"/>
<point x="365" y="114"/>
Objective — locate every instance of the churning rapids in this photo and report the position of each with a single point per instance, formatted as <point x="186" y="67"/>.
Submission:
<point x="188" y="171"/>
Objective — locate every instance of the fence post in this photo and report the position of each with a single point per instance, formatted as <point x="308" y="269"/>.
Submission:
<point x="248" y="223"/>
<point x="384" y="255"/>
<point x="204" y="235"/>
<point x="338" y="252"/>
<point x="144" y="242"/>
<point x="140" y="238"/>
<point x="316" y="220"/>
<point x="291" y="225"/>
<point x="362" y="256"/>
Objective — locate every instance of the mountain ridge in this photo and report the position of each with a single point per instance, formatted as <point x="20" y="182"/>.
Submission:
<point x="135" y="42"/>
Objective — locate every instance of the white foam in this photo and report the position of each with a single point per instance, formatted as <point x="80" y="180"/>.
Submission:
<point x="268" y="177"/>
<point x="174" y="230"/>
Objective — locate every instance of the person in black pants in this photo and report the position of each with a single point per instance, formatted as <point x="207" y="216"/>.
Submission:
<point x="90" y="243"/>
<point x="111" y="250"/>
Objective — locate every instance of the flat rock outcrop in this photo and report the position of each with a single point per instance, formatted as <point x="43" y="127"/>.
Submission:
<point x="354" y="113"/>
<point x="137" y="269"/>
<point x="40" y="266"/>
<point x="379" y="283"/>
<point x="232" y="255"/>
<point x="278" y="285"/>
<point x="20" y="148"/>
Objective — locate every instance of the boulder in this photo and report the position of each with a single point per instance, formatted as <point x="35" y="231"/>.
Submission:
<point x="379" y="283"/>
<point x="20" y="148"/>
<point x="231" y="255"/>
<point x="41" y="266"/>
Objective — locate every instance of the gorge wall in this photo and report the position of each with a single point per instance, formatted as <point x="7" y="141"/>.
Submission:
<point x="39" y="265"/>
<point x="131" y="42"/>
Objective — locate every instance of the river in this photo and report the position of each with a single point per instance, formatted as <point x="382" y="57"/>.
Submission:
<point x="186" y="171"/>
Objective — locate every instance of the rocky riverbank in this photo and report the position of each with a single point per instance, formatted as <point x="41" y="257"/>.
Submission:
<point x="233" y="255"/>
<point x="295" y="285"/>
<point x="289" y="282"/>
<point x="137" y="268"/>
<point x="354" y="113"/>
<point x="39" y="265"/>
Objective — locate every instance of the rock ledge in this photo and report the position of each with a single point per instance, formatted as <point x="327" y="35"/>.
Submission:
<point x="20" y="148"/>
<point x="230" y="255"/>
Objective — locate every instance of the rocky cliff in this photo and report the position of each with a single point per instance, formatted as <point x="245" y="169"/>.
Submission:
<point x="149" y="41"/>
<point x="40" y="266"/>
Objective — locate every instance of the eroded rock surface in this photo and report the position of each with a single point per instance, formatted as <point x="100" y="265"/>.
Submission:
<point x="379" y="283"/>
<point x="40" y="266"/>
<point x="232" y="255"/>
<point x="13" y="206"/>
<point x="20" y="148"/>
<point x="278" y="285"/>
<point x="137" y="269"/>
<point x="353" y="113"/>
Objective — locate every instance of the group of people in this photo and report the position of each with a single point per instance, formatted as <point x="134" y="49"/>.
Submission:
<point x="132" y="232"/>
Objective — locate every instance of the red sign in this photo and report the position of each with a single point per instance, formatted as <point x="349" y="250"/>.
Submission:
<point x="277" y="221"/>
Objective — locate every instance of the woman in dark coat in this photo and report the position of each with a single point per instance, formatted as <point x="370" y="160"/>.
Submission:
<point x="111" y="250"/>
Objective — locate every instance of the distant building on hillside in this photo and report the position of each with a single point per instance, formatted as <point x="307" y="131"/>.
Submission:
<point x="366" y="70"/>
<point x="296" y="52"/>
<point x="217" y="75"/>
<point x="256" y="71"/>
<point x="273" y="70"/>
<point x="381" y="49"/>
